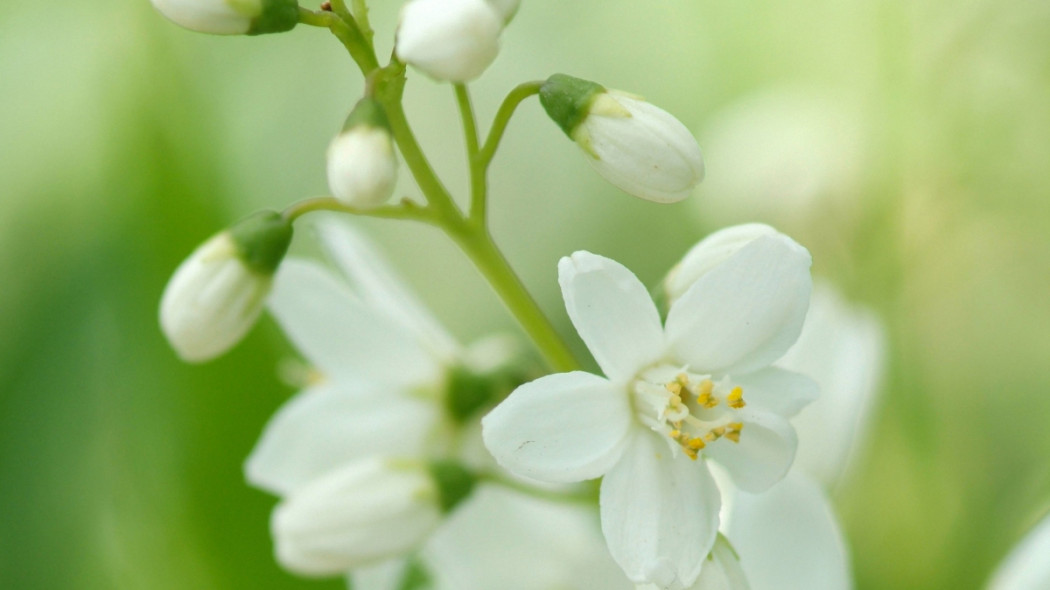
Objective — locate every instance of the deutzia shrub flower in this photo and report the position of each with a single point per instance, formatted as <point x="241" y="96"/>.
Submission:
<point x="1027" y="567"/>
<point x="638" y="147"/>
<point x="700" y="386"/>
<point x="231" y="17"/>
<point x="216" y="294"/>
<point x="362" y="165"/>
<point x="449" y="40"/>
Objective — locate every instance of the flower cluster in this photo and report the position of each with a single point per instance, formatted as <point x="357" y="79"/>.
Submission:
<point x="408" y="461"/>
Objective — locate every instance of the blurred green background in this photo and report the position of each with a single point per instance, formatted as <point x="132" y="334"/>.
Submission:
<point x="906" y="143"/>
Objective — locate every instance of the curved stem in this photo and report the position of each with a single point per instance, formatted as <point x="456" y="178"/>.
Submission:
<point x="503" y="115"/>
<point x="478" y="182"/>
<point x="406" y="210"/>
<point x="347" y="33"/>
<point x="361" y="15"/>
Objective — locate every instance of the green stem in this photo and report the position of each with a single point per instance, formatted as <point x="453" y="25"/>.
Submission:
<point x="406" y="210"/>
<point x="361" y="15"/>
<point x="347" y="33"/>
<point x="478" y="182"/>
<point x="580" y="496"/>
<point x="477" y="244"/>
<point x="503" y="115"/>
<point x="339" y="7"/>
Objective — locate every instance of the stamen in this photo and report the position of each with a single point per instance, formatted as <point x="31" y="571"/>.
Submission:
<point x="733" y="433"/>
<point x="735" y="399"/>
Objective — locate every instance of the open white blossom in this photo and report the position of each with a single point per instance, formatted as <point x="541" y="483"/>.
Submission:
<point x="700" y="386"/>
<point x="1027" y="567"/>
<point x="449" y="40"/>
<point x="383" y="369"/>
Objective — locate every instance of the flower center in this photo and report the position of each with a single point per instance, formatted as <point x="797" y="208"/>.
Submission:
<point x="692" y="410"/>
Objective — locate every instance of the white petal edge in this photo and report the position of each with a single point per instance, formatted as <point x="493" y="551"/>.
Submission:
<point x="789" y="539"/>
<point x="331" y="424"/>
<point x="345" y="338"/>
<point x="565" y="427"/>
<point x="613" y="313"/>
<point x="659" y="513"/>
<point x="1027" y="566"/>
<point x="378" y="285"/>
<point x="843" y="348"/>
<point x="777" y="390"/>
<point x="746" y="312"/>
<point x="709" y="253"/>
<point x="763" y="455"/>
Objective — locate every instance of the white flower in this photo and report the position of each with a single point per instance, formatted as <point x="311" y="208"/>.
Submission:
<point x="699" y="387"/>
<point x="1027" y="567"/>
<point x="382" y="364"/>
<point x="360" y="513"/>
<point x="636" y="146"/>
<point x="231" y="17"/>
<point x="841" y="347"/>
<point x="788" y="538"/>
<point x="217" y="294"/>
<point x="449" y="40"/>
<point x="362" y="165"/>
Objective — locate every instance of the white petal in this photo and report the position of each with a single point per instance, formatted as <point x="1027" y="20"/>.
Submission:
<point x="329" y="425"/>
<point x="382" y="576"/>
<point x="842" y="347"/>
<point x="613" y="313"/>
<point x="218" y="17"/>
<point x="764" y="453"/>
<point x="1027" y="567"/>
<point x="788" y="538"/>
<point x="659" y="513"/>
<point x="501" y="540"/>
<point x="362" y="167"/>
<point x="346" y="339"/>
<point x="564" y="427"/>
<point x="709" y="253"/>
<point x="778" y="390"/>
<point x="378" y="285"/>
<point x="746" y="312"/>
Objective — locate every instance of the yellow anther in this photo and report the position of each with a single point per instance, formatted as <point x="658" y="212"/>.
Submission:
<point x="674" y="387"/>
<point x="676" y="434"/>
<point x="734" y="431"/>
<point x="696" y="444"/>
<point x="733" y="436"/>
<point x="735" y="399"/>
<point x="691" y="453"/>
<point x="682" y="379"/>
<point x="707" y="400"/>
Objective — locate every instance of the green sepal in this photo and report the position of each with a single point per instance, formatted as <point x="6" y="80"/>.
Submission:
<point x="367" y="113"/>
<point x="262" y="240"/>
<point x="277" y="16"/>
<point x="568" y="100"/>
<point x="454" y="483"/>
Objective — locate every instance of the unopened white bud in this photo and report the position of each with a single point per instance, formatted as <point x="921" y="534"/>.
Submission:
<point x="449" y="40"/>
<point x="362" y="165"/>
<point x="217" y="294"/>
<point x="708" y="253"/>
<point x="638" y="147"/>
<point x="721" y="571"/>
<point x="363" y="513"/>
<point x="231" y="17"/>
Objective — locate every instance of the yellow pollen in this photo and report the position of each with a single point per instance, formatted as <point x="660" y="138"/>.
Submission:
<point x="674" y="387"/>
<point x="691" y="453"/>
<point x="707" y="400"/>
<point x="675" y="434"/>
<point x="734" y="431"/>
<point x="696" y="443"/>
<point x="735" y="399"/>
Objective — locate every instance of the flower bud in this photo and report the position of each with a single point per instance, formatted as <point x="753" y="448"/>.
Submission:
<point x="231" y="17"/>
<point x="216" y="294"/>
<point x="362" y="166"/>
<point x="449" y="40"/>
<point x="721" y="571"/>
<point x="364" y="512"/>
<point x="636" y="146"/>
<point x="708" y="253"/>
